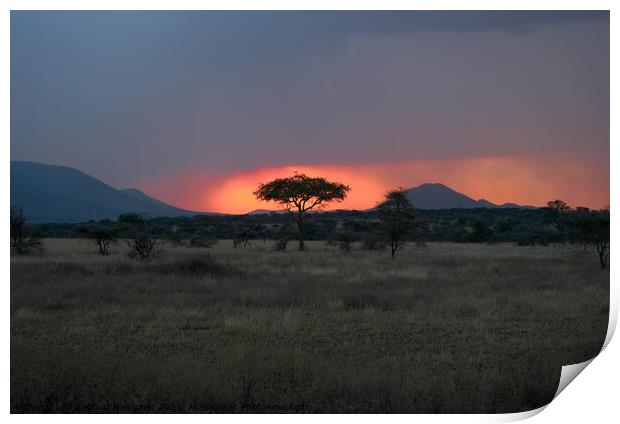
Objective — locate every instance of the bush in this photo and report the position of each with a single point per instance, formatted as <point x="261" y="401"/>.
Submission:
<point x="373" y="242"/>
<point x="31" y="245"/>
<point x="345" y="240"/>
<point x="22" y="242"/>
<point x="131" y="219"/>
<point x="280" y="244"/>
<point x="103" y="237"/>
<point x="196" y="266"/>
<point x="174" y="237"/>
<point x="201" y="242"/>
<point x="143" y="248"/>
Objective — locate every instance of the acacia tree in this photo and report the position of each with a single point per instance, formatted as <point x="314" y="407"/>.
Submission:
<point x="22" y="242"/>
<point x="594" y="228"/>
<point x="301" y="193"/>
<point x="558" y="206"/>
<point x="18" y="231"/>
<point x="103" y="238"/>
<point x="560" y="213"/>
<point x="142" y="245"/>
<point x="242" y="237"/>
<point x="396" y="212"/>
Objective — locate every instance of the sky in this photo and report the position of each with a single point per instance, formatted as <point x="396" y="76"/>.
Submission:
<point x="198" y="108"/>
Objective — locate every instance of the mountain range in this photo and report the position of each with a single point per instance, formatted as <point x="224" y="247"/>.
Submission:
<point x="439" y="196"/>
<point x="52" y="193"/>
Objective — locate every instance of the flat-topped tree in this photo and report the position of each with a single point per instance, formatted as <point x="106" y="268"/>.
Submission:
<point x="397" y="215"/>
<point x="301" y="193"/>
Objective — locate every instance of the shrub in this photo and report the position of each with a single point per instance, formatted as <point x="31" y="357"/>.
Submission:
<point x="196" y="266"/>
<point x="22" y="242"/>
<point x="280" y="244"/>
<point x="373" y="242"/>
<point x="346" y="239"/>
<point x="331" y="242"/>
<point x="201" y="242"/>
<point x="143" y="247"/>
<point x="174" y="237"/>
<point x="103" y="237"/>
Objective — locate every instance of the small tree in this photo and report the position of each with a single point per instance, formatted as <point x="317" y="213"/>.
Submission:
<point x="202" y="242"/>
<point x="141" y="243"/>
<point x="299" y="194"/>
<point x="346" y="239"/>
<point x="372" y="241"/>
<point x="560" y="218"/>
<point x="21" y="241"/>
<point x="18" y="231"/>
<point x="103" y="237"/>
<point x="174" y="236"/>
<point x="131" y="219"/>
<point x="283" y="234"/>
<point x="142" y="247"/>
<point x="480" y="232"/>
<point x="558" y="206"/>
<point x="261" y="230"/>
<point x="397" y="215"/>
<point x="594" y="230"/>
<point x="280" y="244"/>
<point x="242" y="236"/>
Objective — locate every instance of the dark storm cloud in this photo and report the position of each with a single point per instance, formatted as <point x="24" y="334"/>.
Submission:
<point x="132" y="95"/>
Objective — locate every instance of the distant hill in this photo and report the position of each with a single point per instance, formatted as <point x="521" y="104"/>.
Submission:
<point x="439" y="196"/>
<point x="50" y="193"/>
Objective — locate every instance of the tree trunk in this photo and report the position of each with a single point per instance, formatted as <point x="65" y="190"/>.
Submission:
<point x="300" y="228"/>
<point x="602" y="250"/>
<point x="394" y="247"/>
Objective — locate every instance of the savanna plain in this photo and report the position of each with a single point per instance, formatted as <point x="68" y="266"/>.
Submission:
<point x="449" y="328"/>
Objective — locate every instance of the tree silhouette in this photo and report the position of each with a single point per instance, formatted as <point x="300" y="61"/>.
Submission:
<point x="242" y="236"/>
<point x="104" y="237"/>
<point x="22" y="242"/>
<point x="560" y="217"/>
<point x="301" y="193"/>
<point x="594" y="228"/>
<point x="558" y="206"/>
<point x="396" y="212"/>
<point x="18" y="231"/>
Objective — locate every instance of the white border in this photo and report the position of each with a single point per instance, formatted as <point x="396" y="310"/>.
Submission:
<point x="592" y="398"/>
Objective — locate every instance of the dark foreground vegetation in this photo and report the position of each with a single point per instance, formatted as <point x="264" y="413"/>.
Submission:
<point x="442" y="328"/>
<point x="395" y="310"/>
<point x="541" y="226"/>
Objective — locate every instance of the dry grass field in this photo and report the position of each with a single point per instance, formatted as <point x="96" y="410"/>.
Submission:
<point x="447" y="328"/>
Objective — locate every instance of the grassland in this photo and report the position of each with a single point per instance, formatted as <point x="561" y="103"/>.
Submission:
<point x="448" y="328"/>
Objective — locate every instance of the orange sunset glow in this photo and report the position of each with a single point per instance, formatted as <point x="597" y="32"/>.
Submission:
<point x="523" y="180"/>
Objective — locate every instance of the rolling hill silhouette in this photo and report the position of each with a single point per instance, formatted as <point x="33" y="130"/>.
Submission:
<point x="51" y="193"/>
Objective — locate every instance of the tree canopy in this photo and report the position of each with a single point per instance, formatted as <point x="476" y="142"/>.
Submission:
<point x="558" y="206"/>
<point x="397" y="215"/>
<point x="300" y="193"/>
